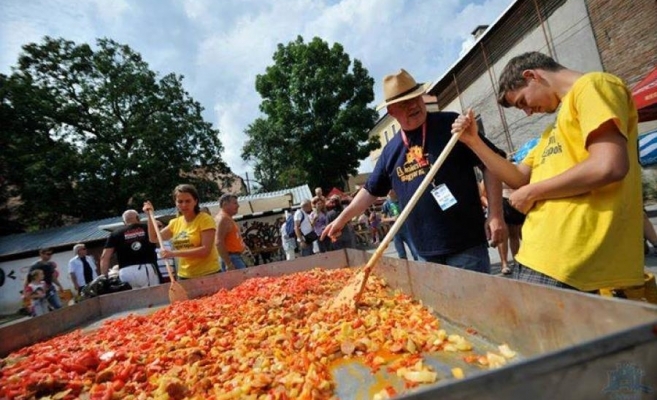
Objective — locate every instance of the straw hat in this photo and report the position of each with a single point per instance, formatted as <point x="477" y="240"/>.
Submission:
<point x="399" y="87"/>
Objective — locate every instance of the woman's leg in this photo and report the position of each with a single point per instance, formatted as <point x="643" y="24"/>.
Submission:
<point x="503" y="250"/>
<point x="514" y="239"/>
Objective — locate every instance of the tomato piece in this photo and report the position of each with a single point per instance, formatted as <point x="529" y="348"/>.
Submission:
<point x="89" y="359"/>
<point x="118" y="384"/>
<point x="70" y="366"/>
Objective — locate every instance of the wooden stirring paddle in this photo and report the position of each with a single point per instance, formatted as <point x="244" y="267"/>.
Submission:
<point x="176" y="291"/>
<point x="351" y="293"/>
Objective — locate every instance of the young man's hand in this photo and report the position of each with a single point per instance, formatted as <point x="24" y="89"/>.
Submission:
<point x="466" y="124"/>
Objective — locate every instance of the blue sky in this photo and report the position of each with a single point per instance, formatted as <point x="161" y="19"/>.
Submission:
<point x="221" y="45"/>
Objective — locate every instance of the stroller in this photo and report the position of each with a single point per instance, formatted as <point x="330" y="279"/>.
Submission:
<point x="103" y="285"/>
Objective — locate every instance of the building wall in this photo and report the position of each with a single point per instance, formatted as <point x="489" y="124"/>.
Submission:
<point x="568" y="33"/>
<point x="383" y="131"/>
<point x="626" y="36"/>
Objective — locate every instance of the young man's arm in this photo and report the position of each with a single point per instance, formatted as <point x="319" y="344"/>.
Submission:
<point x="607" y="163"/>
<point x="505" y="170"/>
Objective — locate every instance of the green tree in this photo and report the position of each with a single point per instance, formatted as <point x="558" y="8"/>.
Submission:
<point x="32" y="165"/>
<point x="96" y="131"/>
<point x="316" y="117"/>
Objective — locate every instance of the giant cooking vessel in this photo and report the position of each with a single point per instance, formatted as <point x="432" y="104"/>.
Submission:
<point x="573" y="345"/>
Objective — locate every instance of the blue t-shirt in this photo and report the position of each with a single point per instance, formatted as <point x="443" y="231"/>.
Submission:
<point x="434" y="231"/>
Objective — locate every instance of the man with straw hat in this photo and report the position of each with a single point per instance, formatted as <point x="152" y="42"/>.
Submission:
<point x="447" y="225"/>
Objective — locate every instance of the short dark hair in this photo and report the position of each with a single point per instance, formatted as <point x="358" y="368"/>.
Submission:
<point x="45" y="250"/>
<point x="511" y="77"/>
<point x="225" y="198"/>
<point x="187" y="188"/>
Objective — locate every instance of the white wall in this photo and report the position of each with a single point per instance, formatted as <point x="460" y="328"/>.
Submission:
<point x="11" y="299"/>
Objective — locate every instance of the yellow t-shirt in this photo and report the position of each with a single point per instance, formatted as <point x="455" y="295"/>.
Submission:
<point x="593" y="240"/>
<point x="187" y="236"/>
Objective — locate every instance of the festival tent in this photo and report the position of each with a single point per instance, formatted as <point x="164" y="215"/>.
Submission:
<point x="335" y="191"/>
<point x="523" y="150"/>
<point x="648" y="148"/>
<point x="645" y="97"/>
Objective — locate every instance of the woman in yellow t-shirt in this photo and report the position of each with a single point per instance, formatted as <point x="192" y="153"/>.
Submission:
<point x="191" y="235"/>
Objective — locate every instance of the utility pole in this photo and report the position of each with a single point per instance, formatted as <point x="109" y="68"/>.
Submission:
<point x="248" y="185"/>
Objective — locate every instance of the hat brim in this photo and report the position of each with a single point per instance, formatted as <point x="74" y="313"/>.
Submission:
<point x="417" y="92"/>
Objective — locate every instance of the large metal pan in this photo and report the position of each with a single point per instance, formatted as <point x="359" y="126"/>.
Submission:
<point x="573" y="345"/>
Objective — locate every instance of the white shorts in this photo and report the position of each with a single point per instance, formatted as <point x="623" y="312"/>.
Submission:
<point x="139" y="276"/>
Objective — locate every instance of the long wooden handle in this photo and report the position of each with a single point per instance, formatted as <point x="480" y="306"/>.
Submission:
<point x="412" y="202"/>
<point x="161" y="242"/>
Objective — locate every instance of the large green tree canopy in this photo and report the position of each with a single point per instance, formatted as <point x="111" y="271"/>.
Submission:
<point x="88" y="132"/>
<point x="316" y="117"/>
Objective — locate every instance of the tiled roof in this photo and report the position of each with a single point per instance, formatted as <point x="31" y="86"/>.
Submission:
<point x="84" y="232"/>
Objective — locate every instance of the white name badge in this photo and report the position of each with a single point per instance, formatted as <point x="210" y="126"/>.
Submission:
<point x="443" y="196"/>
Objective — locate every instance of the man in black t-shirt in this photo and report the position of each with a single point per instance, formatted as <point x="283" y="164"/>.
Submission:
<point x="135" y="253"/>
<point x="50" y="276"/>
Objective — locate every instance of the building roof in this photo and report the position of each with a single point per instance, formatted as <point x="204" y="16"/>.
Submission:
<point x="14" y="246"/>
<point x="519" y="18"/>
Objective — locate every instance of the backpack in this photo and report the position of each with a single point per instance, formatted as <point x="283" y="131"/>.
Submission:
<point x="289" y="226"/>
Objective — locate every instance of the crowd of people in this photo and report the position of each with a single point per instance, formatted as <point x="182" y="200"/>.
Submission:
<point x="195" y="243"/>
<point x="302" y="229"/>
<point x="576" y="195"/>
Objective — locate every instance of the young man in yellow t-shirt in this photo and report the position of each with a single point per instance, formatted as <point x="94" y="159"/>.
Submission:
<point x="581" y="185"/>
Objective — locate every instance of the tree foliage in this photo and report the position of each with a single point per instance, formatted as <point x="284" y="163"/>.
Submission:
<point x="89" y="133"/>
<point x="316" y="117"/>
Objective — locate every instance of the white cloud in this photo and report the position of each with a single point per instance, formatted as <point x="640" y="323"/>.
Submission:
<point x="111" y="10"/>
<point x="220" y="46"/>
<point x="466" y="46"/>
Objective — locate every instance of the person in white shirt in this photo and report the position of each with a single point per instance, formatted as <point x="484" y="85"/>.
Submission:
<point x="289" y="243"/>
<point x="82" y="268"/>
<point x="304" y="229"/>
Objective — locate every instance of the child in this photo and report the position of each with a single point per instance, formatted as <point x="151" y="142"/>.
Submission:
<point x="374" y="222"/>
<point x="35" y="291"/>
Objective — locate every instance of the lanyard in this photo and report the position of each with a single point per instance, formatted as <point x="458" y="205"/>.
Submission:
<point x="424" y="137"/>
<point x="420" y="158"/>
